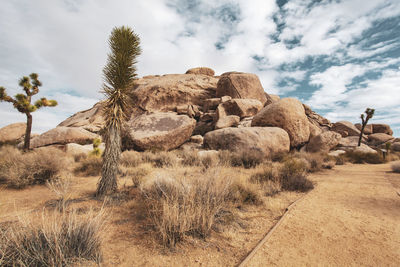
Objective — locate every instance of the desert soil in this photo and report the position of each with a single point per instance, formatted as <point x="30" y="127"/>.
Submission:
<point x="352" y="218"/>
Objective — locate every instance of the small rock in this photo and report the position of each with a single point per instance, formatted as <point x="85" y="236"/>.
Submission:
<point x="227" y="121"/>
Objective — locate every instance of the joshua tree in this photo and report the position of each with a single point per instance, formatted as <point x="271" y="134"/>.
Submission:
<point x="369" y="112"/>
<point x="119" y="75"/>
<point x="22" y="102"/>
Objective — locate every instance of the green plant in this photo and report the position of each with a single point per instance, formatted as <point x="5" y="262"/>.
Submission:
<point x="22" y="102"/>
<point x="96" y="150"/>
<point x="119" y="76"/>
<point x="364" y="120"/>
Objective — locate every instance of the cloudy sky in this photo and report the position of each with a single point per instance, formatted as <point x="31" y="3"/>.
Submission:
<point x="339" y="57"/>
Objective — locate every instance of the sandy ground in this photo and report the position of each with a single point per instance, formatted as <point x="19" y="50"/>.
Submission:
<point x="352" y="218"/>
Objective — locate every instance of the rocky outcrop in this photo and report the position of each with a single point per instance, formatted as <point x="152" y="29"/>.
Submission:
<point x="165" y="93"/>
<point x="271" y="99"/>
<point x="227" y="121"/>
<point x="75" y="149"/>
<point x="241" y="85"/>
<point x="241" y="107"/>
<point x="268" y="140"/>
<point x="379" y="138"/>
<point x="91" y="119"/>
<point x="345" y="128"/>
<point x="323" y="142"/>
<point x="351" y="141"/>
<point x="363" y="148"/>
<point x="314" y="130"/>
<point x="367" y="129"/>
<point x="382" y="128"/>
<point x="163" y="131"/>
<point x="201" y="71"/>
<point x="316" y="119"/>
<point x="64" y="135"/>
<point x="395" y="146"/>
<point x="12" y="133"/>
<point x="288" y="114"/>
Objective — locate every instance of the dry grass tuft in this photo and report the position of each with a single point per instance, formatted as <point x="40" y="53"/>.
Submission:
<point x="185" y="206"/>
<point x="90" y="166"/>
<point x="246" y="159"/>
<point x="58" y="240"/>
<point x="360" y="157"/>
<point x="293" y="176"/>
<point x="131" y="158"/>
<point x="18" y="169"/>
<point x="396" y="166"/>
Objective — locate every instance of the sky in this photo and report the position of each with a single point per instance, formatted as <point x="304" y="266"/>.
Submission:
<point x="339" y="57"/>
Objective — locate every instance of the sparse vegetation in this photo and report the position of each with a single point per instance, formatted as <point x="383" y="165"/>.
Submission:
<point x="58" y="240"/>
<point x="96" y="152"/>
<point x="293" y="176"/>
<point x="19" y="169"/>
<point x="90" y="166"/>
<point x="361" y="157"/>
<point x="364" y="121"/>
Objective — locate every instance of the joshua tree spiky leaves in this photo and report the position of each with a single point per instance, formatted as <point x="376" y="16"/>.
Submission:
<point x="22" y="102"/>
<point x="119" y="75"/>
<point x="370" y="113"/>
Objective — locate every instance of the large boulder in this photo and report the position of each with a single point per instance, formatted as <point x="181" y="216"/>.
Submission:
<point x="227" y="121"/>
<point x="363" y="148"/>
<point x="323" y="142"/>
<point x="367" y="129"/>
<point x="382" y="128"/>
<point x="241" y="85"/>
<point x="201" y="71"/>
<point x="395" y="147"/>
<point x="345" y="128"/>
<point x="268" y="140"/>
<point x="63" y="135"/>
<point x="288" y="114"/>
<point x="379" y="138"/>
<point x="316" y="119"/>
<point x="271" y="99"/>
<point x="163" y="131"/>
<point x="242" y="107"/>
<point x="314" y="129"/>
<point x="91" y="119"/>
<point x="12" y="133"/>
<point x="351" y="141"/>
<point x="165" y="93"/>
<point x="75" y="149"/>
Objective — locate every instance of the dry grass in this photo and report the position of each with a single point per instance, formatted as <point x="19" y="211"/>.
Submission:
<point x="18" y="169"/>
<point x="185" y="206"/>
<point x="293" y="176"/>
<point x="62" y="189"/>
<point x="396" y="166"/>
<point x="361" y="158"/>
<point x="90" y="166"/>
<point x="58" y="240"/>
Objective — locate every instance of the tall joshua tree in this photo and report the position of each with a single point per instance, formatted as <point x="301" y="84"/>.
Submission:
<point x="22" y="102"/>
<point x="370" y="113"/>
<point x="119" y="75"/>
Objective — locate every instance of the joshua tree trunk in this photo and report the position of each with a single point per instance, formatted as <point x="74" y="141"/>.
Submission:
<point x="27" y="140"/>
<point x="361" y="134"/>
<point x="109" y="171"/>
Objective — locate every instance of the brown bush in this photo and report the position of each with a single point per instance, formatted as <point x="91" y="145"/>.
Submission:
<point x="293" y="176"/>
<point x="247" y="159"/>
<point x="58" y="240"/>
<point x="190" y="158"/>
<point x="360" y="157"/>
<point x="18" y="169"/>
<point x="91" y="166"/>
<point x="180" y="207"/>
<point x="131" y="158"/>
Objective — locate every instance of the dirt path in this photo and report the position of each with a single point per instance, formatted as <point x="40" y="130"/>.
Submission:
<point x="352" y="218"/>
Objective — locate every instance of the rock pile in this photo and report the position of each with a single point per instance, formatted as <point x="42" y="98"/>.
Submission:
<point x="198" y="110"/>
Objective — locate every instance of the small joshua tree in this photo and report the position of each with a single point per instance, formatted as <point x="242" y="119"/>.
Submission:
<point x="369" y="112"/>
<point x="119" y="75"/>
<point x="22" y="102"/>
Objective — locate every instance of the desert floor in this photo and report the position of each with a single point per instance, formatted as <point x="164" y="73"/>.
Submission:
<point x="352" y="218"/>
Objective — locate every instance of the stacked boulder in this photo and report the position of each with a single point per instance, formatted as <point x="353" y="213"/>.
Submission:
<point x="198" y="110"/>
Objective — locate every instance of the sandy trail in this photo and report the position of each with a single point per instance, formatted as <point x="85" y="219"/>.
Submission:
<point x="352" y="218"/>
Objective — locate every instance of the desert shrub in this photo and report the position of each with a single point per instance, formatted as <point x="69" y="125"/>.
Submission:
<point x="159" y="159"/>
<point x="131" y="158"/>
<point x="183" y="207"/>
<point x="209" y="161"/>
<point x="62" y="189"/>
<point x="396" y="166"/>
<point x="96" y="152"/>
<point x="79" y="157"/>
<point x="58" y="240"/>
<point x="137" y="175"/>
<point x="293" y="176"/>
<point x="18" y="169"/>
<point x="268" y="173"/>
<point x="244" y="192"/>
<point x="340" y="160"/>
<point x="360" y="157"/>
<point x="248" y="158"/>
<point x="91" y="166"/>
<point x="190" y="158"/>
